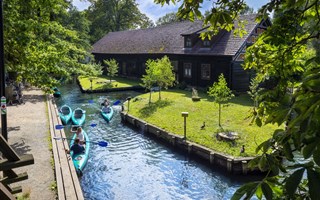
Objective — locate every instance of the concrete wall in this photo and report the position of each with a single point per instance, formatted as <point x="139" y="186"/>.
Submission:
<point x="217" y="159"/>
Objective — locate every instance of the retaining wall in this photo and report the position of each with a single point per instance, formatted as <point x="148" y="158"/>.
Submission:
<point x="230" y="164"/>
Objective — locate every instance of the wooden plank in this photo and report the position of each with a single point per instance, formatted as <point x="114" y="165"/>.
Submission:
<point x="7" y="151"/>
<point x="56" y="157"/>
<point x="5" y="194"/>
<point x="6" y="164"/>
<point x="68" y="183"/>
<point x="19" y="177"/>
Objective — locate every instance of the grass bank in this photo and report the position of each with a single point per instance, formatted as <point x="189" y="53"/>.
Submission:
<point x="103" y="82"/>
<point x="166" y="114"/>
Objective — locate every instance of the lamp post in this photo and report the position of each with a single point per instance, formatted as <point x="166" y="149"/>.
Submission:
<point x="2" y="76"/>
<point x="91" y="83"/>
<point x="185" y="115"/>
<point x="128" y="99"/>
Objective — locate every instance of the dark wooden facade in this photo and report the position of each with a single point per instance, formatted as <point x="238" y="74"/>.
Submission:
<point x="197" y="63"/>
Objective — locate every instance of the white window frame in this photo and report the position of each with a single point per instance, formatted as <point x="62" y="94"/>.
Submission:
<point x="187" y="70"/>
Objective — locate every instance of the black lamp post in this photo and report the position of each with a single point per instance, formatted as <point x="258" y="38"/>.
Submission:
<point x="91" y="83"/>
<point x="128" y="99"/>
<point x="185" y="115"/>
<point x="2" y="76"/>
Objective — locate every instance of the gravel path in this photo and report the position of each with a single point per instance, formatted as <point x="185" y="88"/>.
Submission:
<point x="28" y="133"/>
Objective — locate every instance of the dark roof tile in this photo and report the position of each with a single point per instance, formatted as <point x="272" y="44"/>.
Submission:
<point x="168" y="39"/>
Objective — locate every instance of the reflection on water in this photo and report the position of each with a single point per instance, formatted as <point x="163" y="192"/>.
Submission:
<point x="133" y="166"/>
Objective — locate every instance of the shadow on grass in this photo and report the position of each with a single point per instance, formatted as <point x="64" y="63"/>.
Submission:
<point x="151" y="108"/>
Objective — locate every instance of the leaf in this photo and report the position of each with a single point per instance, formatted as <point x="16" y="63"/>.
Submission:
<point x="307" y="150"/>
<point x="263" y="163"/>
<point x="267" y="191"/>
<point x="316" y="155"/>
<point x="293" y="181"/>
<point x="313" y="183"/>
<point x="248" y="189"/>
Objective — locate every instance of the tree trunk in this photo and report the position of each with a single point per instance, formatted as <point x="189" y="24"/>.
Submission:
<point x="150" y="97"/>
<point x="220" y="114"/>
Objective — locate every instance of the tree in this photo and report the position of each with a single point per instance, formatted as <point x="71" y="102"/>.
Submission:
<point x="167" y="19"/>
<point x="221" y="93"/>
<point x="114" y="15"/>
<point x="283" y="55"/>
<point x="112" y="67"/>
<point x="148" y="80"/>
<point x="38" y="47"/>
<point x="164" y="74"/>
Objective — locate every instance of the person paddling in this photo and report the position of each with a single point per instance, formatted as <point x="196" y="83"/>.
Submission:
<point x="80" y="135"/>
<point x="76" y="147"/>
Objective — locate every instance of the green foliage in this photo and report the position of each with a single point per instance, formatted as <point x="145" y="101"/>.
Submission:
<point x="158" y="72"/>
<point x="164" y="74"/>
<point x="38" y="47"/>
<point x="220" y="93"/>
<point x="114" y="15"/>
<point x="289" y="75"/>
<point x="167" y="19"/>
<point x="149" y="79"/>
<point x="112" y="67"/>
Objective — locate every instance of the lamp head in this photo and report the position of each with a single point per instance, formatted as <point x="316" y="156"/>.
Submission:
<point x="184" y="114"/>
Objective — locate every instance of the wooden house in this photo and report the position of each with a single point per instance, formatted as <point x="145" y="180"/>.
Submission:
<point x="196" y="62"/>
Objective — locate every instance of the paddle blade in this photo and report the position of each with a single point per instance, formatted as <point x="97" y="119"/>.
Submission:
<point x="103" y="144"/>
<point x="116" y="102"/>
<point x="59" y="127"/>
<point x="93" y="125"/>
<point x="91" y="101"/>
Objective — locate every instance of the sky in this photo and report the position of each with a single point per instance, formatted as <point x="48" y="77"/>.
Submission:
<point x="154" y="11"/>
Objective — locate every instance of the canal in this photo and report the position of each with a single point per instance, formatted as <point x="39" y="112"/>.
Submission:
<point x="134" y="166"/>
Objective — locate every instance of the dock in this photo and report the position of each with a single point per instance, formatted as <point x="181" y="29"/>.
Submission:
<point x="68" y="185"/>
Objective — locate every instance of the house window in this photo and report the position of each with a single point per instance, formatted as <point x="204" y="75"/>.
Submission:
<point x="187" y="70"/>
<point x="188" y="42"/>
<point x="175" y="65"/>
<point x="124" y="68"/>
<point x="205" y="71"/>
<point x="241" y="57"/>
<point x="252" y="39"/>
<point x="206" y="43"/>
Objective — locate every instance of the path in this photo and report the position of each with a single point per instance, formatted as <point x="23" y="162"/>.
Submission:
<point x="28" y="133"/>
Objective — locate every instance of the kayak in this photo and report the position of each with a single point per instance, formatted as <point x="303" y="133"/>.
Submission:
<point x="107" y="114"/>
<point x="65" y="114"/>
<point x="78" y="116"/>
<point x="56" y="93"/>
<point x="80" y="160"/>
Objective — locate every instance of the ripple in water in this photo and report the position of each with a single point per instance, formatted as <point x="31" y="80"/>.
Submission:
<point x="134" y="166"/>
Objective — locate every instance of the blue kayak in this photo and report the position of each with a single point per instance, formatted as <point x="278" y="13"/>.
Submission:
<point x="80" y="160"/>
<point x="78" y="116"/>
<point x="107" y="113"/>
<point x="65" y="113"/>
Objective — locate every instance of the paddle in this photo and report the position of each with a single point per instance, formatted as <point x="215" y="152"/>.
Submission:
<point x="116" y="103"/>
<point x="100" y="143"/>
<point x="59" y="126"/>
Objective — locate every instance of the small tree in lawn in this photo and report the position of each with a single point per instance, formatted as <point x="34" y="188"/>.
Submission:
<point x="164" y="74"/>
<point x="149" y="79"/>
<point x="221" y="93"/>
<point x="112" y="68"/>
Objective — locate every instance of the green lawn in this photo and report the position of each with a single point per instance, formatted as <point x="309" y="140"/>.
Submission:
<point x="103" y="82"/>
<point x="166" y="114"/>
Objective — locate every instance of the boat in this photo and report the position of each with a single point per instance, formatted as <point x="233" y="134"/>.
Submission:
<point x="80" y="160"/>
<point x="65" y="113"/>
<point x="107" y="113"/>
<point x="78" y="116"/>
<point x="56" y="92"/>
